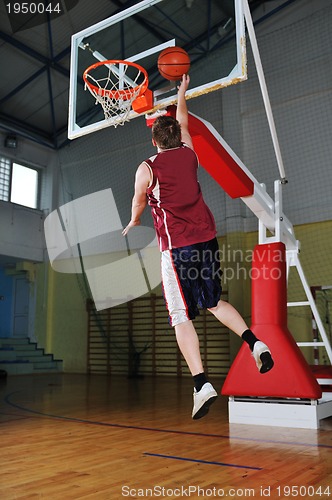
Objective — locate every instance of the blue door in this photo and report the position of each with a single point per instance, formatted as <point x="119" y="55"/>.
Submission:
<point x="21" y="307"/>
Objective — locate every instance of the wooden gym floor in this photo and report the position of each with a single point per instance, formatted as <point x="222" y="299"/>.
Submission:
<point x="79" y="437"/>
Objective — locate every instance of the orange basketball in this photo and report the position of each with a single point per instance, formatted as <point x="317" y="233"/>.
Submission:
<point x="173" y="62"/>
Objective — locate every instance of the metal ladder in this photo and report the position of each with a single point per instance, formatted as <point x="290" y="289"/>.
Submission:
<point x="294" y="261"/>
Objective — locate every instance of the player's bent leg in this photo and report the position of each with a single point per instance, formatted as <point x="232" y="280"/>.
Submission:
<point x="230" y="317"/>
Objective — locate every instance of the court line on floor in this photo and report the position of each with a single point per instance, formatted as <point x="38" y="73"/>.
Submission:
<point x="206" y="462"/>
<point x="153" y="429"/>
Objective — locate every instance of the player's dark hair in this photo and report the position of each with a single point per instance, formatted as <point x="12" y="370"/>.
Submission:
<point x="166" y="131"/>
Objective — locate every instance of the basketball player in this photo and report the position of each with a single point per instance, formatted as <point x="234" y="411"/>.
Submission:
<point x="186" y="233"/>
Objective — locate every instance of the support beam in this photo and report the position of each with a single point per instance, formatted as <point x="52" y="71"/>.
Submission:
<point x="34" y="54"/>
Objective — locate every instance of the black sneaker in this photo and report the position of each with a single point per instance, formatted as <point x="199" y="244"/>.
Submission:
<point x="202" y="400"/>
<point x="262" y="356"/>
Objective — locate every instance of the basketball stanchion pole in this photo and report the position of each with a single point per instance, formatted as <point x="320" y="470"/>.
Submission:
<point x="265" y="95"/>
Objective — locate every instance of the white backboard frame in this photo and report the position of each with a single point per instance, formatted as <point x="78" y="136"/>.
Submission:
<point x="237" y="74"/>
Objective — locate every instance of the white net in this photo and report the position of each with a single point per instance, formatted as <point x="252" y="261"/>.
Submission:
<point x="115" y="85"/>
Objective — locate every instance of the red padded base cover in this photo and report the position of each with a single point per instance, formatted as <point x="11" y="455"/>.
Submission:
<point x="291" y="376"/>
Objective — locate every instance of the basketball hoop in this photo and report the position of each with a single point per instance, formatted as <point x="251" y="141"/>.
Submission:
<point x="115" y="85"/>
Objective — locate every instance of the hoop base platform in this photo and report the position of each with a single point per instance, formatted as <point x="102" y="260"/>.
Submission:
<point x="304" y="414"/>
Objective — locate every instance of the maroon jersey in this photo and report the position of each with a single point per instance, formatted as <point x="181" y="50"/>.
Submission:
<point x="179" y="212"/>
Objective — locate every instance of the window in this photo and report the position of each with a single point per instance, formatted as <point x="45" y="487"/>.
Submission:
<point x="18" y="183"/>
<point x="5" y="168"/>
<point x="24" y="188"/>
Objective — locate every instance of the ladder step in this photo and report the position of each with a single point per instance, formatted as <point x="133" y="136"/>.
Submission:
<point x="295" y="304"/>
<point x="324" y="381"/>
<point x="307" y="344"/>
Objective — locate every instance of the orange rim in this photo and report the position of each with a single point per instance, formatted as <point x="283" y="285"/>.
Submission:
<point x="119" y="93"/>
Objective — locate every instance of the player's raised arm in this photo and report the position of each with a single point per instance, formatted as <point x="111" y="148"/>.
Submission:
<point x="182" y="111"/>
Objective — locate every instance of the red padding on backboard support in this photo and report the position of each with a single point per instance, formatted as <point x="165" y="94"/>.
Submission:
<point x="143" y="102"/>
<point x="218" y="162"/>
<point x="291" y="376"/>
<point x="214" y="158"/>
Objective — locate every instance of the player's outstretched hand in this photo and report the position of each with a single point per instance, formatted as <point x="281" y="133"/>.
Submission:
<point x="184" y="84"/>
<point x="130" y="225"/>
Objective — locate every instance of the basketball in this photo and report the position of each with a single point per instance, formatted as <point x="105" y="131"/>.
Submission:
<point x="173" y="62"/>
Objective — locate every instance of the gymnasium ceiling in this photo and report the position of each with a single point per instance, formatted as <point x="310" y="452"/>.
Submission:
<point x="35" y="60"/>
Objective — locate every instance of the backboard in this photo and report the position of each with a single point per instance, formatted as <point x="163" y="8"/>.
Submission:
<point x="211" y="31"/>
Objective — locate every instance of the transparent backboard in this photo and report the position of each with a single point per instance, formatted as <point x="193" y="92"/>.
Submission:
<point x="212" y="32"/>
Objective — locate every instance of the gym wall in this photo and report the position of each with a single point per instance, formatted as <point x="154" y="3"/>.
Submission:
<point x="295" y="50"/>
